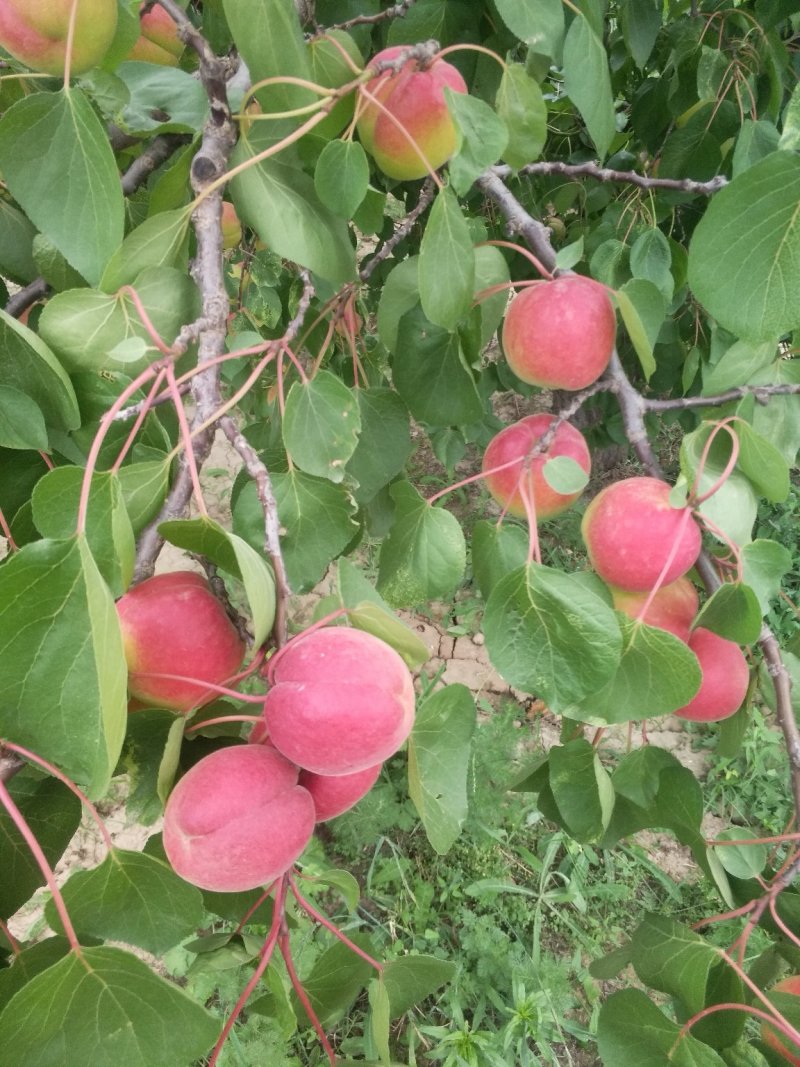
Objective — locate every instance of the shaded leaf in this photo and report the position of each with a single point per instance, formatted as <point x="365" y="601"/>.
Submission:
<point x="321" y="424"/>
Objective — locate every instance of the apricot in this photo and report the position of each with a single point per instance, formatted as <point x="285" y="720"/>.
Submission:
<point x="414" y="112"/>
<point x="159" y="41"/>
<point x="341" y="701"/>
<point x="238" y="819"/>
<point x="173" y="624"/>
<point x="673" y="608"/>
<point x="35" y="33"/>
<point x="725" y="678"/>
<point x="560" y="334"/>
<point x="514" y="443"/>
<point x="770" y="1036"/>
<point x="231" y="226"/>
<point x="334" y="794"/>
<point x="630" y="530"/>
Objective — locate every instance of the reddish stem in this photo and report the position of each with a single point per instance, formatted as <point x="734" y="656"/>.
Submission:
<point x="524" y="252"/>
<point x="695" y="498"/>
<point x="484" y="294"/>
<point x="29" y="838"/>
<point x="73" y="788"/>
<point x="153" y="333"/>
<point x="222" y="719"/>
<point x="208" y="687"/>
<point x="773" y="910"/>
<point x="266" y="954"/>
<point x="302" y="996"/>
<point x="140" y="417"/>
<point x="47" y="461"/>
<point x="685" y="519"/>
<point x="6" y="529"/>
<point x="323" y="920"/>
<point x="781" y="1024"/>
<point x="16" y="948"/>
<point x="534" y="548"/>
<point x="186" y="436"/>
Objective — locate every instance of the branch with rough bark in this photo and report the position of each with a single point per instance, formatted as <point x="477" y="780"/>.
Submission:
<point x="608" y="174"/>
<point x="398" y="11"/>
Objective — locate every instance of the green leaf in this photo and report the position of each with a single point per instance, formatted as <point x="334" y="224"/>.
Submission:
<point x="565" y="475"/>
<point x="53" y="813"/>
<point x="400" y="293"/>
<point x="482" y="138"/>
<point x="21" y="421"/>
<point x="146" y="1021"/>
<point x="335" y="980"/>
<point x="62" y="684"/>
<point x="651" y="260"/>
<point x="765" y="564"/>
<point x="734" y="505"/>
<point x="588" y="84"/>
<point x="367" y="610"/>
<point x="87" y="327"/>
<point x="491" y="269"/>
<point x="581" y="788"/>
<point x="640" y="21"/>
<point x="17" y="235"/>
<point x="162" y="98"/>
<point x="446" y="263"/>
<point x="341" y="177"/>
<point x="317" y="521"/>
<point x="539" y="23"/>
<point x="31" y="961"/>
<point x="790" y="137"/>
<point x="410" y="979"/>
<point x="150" y="759"/>
<point x="439" y="752"/>
<point x="424" y="555"/>
<point x="643" y="308"/>
<point x="732" y="612"/>
<point x="430" y="375"/>
<point x="109" y="533"/>
<point x="384" y="443"/>
<point x="144" y="486"/>
<point x="741" y="361"/>
<point x="549" y="634"/>
<point x="321" y="425"/>
<point x="632" y="1032"/>
<point x="744" y="258"/>
<point x="229" y="552"/>
<point x="379" y="1018"/>
<point x="657" y="675"/>
<point x="496" y="551"/>
<point x="674" y="959"/>
<point x="637" y="776"/>
<point x="134" y="898"/>
<point x="742" y="861"/>
<point x="280" y="203"/>
<point x="269" y="39"/>
<point x="330" y="69"/>
<point x="28" y="365"/>
<point x="521" y="106"/>
<point x="58" y="164"/>
<point x="160" y="241"/>
<point x="762" y="463"/>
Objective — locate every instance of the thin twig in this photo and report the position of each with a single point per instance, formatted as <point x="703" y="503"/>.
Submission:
<point x="157" y="152"/>
<point x="607" y="174"/>
<point x="402" y="229"/>
<point x="762" y="393"/>
<point x="399" y="11"/>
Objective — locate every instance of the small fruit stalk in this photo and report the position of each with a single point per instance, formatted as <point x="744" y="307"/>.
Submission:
<point x="35" y="32"/>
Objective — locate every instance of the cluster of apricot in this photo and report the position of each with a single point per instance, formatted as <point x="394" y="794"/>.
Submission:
<point x="561" y="334"/>
<point x="340" y="702"/>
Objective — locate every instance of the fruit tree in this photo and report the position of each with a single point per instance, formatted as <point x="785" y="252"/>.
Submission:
<point x="333" y="236"/>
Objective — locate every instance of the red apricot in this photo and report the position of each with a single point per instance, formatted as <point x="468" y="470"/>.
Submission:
<point x="725" y="678"/>
<point x="560" y="334"/>
<point x="770" y="1036"/>
<point x="173" y="624"/>
<point x="334" y="794"/>
<point x="513" y="443"/>
<point x="673" y="608"/>
<point x="341" y="701"/>
<point x="631" y="530"/>
<point x="35" y="33"/>
<point x="238" y="819"/>
<point x="159" y="41"/>
<point x="414" y="112"/>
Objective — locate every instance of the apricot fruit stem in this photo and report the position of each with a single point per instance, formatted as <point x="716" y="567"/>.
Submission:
<point x="266" y="954"/>
<point x="323" y="920"/>
<point x="297" y="985"/>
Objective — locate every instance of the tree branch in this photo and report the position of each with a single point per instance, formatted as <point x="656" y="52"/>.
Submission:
<point x="518" y="221"/>
<point x="10" y="764"/>
<point x="402" y="229"/>
<point x="156" y="153"/>
<point x="399" y="11"/>
<point x="606" y="174"/>
<point x="762" y="393"/>
<point x="19" y="303"/>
